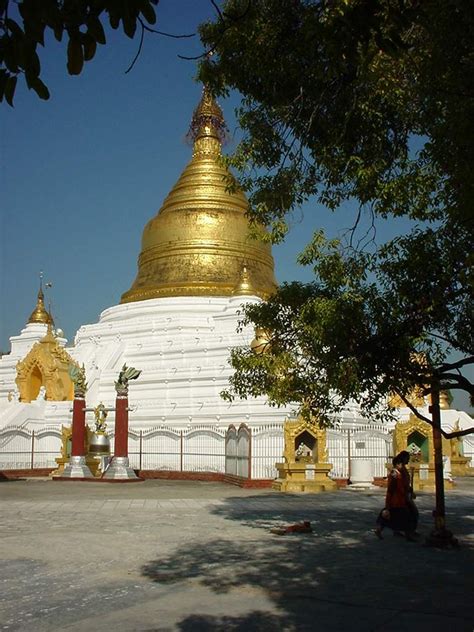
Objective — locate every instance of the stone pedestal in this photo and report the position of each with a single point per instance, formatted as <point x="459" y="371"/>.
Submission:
<point x="423" y="476"/>
<point x="304" y="468"/>
<point x="362" y="474"/>
<point x="76" y="468"/>
<point x="303" y="477"/>
<point x="119" y="468"/>
<point x="460" y="467"/>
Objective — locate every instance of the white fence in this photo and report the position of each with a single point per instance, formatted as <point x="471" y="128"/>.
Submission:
<point x="369" y="443"/>
<point x="243" y="451"/>
<point x="197" y="449"/>
<point x="21" y="448"/>
<point x="266" y="449"/>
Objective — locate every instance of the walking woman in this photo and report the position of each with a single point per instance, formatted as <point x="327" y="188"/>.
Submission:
<point x="398" y="513"/>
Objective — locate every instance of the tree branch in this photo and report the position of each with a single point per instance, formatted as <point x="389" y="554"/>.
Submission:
<point x="139" y="48"/>
<point x="147" y="28"/>
<point x="456" y="365"/>
<point x="446" y="435"/>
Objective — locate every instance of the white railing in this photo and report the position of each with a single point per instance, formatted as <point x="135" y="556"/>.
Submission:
<point x="243" y="451"/>
<point x="22" y="448"/>
<point x="369" y="443"/>
<point x="267" y="449"/>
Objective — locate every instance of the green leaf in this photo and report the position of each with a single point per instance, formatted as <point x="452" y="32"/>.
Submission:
<point x="75" y="56"/>
<point x="148" y="12"/>
<point x="89" y="45"/>
<point x="10" y="57"/>
<point x="3" y="82"/>
<point x="114" y="19"/>
<point x="14" y="28"/>
<point x="129" y="25"/>
<point x="95" y="28"/>
<point x="39" y="87"/>
<point x="58" y="32"/>
<point x="10" y="89"/>
<point x="33" y="64"/>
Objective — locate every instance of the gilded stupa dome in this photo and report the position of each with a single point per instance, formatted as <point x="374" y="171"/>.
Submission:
<point x="40" y="314"/>
<point x="199" y="242"/>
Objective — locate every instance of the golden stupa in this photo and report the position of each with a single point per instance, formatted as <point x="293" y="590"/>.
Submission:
<point x="40" y="313"/>
<point x="198" y="244"/>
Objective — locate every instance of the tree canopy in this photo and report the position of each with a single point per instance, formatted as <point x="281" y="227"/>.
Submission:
<point x="24" y="26"/>
<point x="369" y="101"/>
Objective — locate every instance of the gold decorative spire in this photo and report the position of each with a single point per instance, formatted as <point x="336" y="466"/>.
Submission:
<point x="196" y="243"/>
<point x="40" y="314"/>
<point x="244" y="287"/>
<point x="208" y="121"/>
<point x="444" y="400"/>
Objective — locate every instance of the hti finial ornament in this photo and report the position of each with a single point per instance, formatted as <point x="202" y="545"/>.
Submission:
<point x="207" y="120"/>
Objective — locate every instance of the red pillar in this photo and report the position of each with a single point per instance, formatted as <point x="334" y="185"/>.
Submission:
<point x="78" y="427"/>
<point x="121" y="427"/>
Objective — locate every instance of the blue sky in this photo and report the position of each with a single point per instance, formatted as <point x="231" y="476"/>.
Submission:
<point x="82" y="173"/>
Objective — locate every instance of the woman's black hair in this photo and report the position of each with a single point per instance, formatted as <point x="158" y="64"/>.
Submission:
<point x="404" y="456"/>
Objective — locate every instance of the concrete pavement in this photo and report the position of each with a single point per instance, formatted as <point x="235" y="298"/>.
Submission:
<point x="194" y="556"/>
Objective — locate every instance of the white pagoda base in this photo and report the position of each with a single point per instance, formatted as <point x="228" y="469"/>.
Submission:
<point x="181" y="345"/>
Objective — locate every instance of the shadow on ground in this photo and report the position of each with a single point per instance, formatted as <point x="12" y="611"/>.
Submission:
<point x="338" y="574"/>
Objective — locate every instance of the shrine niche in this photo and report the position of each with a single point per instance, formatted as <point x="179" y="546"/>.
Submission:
<point x="305" y="467"/>
<point x="459" y="462"/>
<point x="416" y="437"/>
<point x="43" y="373"/>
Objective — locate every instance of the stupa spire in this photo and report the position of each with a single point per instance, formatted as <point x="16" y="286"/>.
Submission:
<point x="244" y="286"/>
<point x="40" y="314"/>
<point x="196" y="243"/>
<point x="207" y="124"/>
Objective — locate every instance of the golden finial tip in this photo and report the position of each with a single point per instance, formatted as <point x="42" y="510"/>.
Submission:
<point x="244" y="286"/>
<point x="208" y="119"/>
<point x="40" y="313"/>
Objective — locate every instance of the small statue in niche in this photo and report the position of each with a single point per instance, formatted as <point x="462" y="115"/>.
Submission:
<point x="303" y="453"/>
<point x="415" y="453"/>
<point x="41" y="394"/>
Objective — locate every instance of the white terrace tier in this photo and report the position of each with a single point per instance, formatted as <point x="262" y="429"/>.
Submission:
<point x="182" y="347"/>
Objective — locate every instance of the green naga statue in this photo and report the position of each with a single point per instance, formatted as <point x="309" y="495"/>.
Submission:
<point x="78" y="377"/>
<point x="126" y="374"/>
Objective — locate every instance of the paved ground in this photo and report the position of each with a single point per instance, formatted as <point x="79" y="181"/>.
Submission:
<point x="190" y="556"/>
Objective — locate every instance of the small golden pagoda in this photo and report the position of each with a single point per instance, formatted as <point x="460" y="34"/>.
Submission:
<point x="199" y="242"/>
<point x="459" y="462"/>
<point x="416" y="436"/>
<point x="45" y="366"/>
<point x="305" y="467"/>
<point x="40" y="314"/>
